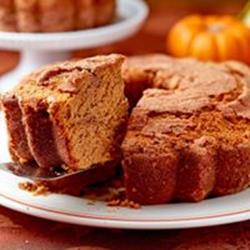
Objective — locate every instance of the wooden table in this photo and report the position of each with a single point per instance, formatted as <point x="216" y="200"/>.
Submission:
<point x="18" y="231"/>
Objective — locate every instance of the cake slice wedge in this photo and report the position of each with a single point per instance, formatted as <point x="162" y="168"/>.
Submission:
<point x="71" y="114"/>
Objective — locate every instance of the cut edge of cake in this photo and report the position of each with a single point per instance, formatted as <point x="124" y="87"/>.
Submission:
<point x="37" y="131"/>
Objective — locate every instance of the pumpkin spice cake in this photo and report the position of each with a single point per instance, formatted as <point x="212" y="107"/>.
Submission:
<point x="55" y="15"/>
<point x="70" y="114"/>
<point x="187" y="138"/>
<point x="190" y="138"/>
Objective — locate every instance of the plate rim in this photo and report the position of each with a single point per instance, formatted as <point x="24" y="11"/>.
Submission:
<point x="28" y="206"/>
<point x="109" y="222"/>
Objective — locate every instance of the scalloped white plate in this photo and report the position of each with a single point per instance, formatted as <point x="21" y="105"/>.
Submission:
<point x="232" y="208"/>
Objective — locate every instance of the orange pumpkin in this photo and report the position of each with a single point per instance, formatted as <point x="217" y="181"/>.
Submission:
<point x="216" y="38"/>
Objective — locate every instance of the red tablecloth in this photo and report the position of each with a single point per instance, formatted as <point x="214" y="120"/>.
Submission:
<point x="19" y="231"/>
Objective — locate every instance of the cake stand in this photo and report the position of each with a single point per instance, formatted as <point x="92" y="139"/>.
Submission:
<point x="37" y="49"/>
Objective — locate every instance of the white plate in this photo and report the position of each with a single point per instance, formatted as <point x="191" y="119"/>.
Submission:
<point x="130" y="17"/>
<point x="75" y="210"/>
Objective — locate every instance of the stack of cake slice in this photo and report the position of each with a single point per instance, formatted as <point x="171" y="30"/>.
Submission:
<point x="70" y="114"/>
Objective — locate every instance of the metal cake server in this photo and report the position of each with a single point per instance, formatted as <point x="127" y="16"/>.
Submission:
<point x="35" y="173"/>
<point x="59" y="180"/>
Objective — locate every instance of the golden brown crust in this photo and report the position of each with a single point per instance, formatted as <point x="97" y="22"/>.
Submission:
<point x="27" y="18"/>
<point x="54" y="15"/>
<point x="196" y="172"/>
<point x="184" y="75"/>
<point x="139" y="76"/>
<point x="18" y="144"/>
<point x="200" y="117"/>
<point x="105" y="10"/>
<point x="233" y="171"/>
<point x="40" y="134"/>
<point x="150" y="178"/>
<point x="7" y="16"/>
<point x="85" y="14"/>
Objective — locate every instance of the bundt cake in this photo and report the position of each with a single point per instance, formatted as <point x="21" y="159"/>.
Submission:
<point x="188" y="137"/>
<point x="70" y="114"/>
<point x="139" y="76"/>
<point x="54" y="15"/>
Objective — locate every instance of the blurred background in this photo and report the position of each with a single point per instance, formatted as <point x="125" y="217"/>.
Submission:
<point x="163" y="14"/>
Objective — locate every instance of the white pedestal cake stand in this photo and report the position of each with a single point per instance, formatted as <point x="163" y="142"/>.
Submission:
<point x="38" y="49"/>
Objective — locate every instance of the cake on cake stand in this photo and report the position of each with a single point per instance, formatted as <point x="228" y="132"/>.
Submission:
<point x="37" y="49"/>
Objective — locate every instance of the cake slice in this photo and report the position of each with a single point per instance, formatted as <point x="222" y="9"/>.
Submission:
<point x="70" y="114"/>
<point x="191" y="138"/>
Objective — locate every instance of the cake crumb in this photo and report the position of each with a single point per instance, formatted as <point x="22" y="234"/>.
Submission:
<point x="123" y="203"/>
<point x="113" y="193"/>
<point x="91" y="203"/>
<point x="35" y="188"/>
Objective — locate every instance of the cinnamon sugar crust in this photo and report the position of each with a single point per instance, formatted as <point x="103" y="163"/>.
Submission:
<point x="189" y="139"/>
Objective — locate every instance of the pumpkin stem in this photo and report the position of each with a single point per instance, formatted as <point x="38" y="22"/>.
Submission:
<point x="245" y="14"/>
